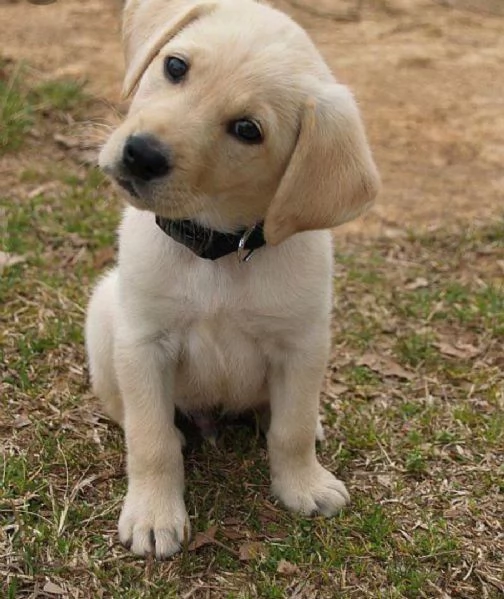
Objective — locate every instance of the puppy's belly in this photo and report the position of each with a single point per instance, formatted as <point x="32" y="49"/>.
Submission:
<point x="220" y="366"/>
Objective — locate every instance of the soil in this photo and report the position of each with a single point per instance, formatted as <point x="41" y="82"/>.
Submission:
<point x="427" y="74"/>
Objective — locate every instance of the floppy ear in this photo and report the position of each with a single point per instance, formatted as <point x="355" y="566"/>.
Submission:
<point x="331" y="177"/>
<point x="147" y="26"/>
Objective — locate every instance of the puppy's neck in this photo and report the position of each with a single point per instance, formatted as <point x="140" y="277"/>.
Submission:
<point x="210" y="244"/>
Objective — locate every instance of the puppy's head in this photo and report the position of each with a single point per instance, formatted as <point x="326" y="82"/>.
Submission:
<point x="236" y="119"/>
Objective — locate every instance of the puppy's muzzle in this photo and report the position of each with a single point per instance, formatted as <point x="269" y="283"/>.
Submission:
<point x="145" y="157"/>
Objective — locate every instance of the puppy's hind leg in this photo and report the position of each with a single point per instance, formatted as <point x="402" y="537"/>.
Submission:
<point x="100" y="346"/>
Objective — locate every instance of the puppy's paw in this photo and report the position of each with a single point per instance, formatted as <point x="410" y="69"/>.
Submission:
<point x="310" y="491"/>
<point x="153" y="521"/>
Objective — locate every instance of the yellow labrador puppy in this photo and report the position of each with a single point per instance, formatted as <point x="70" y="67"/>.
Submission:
<point x="239" y="151"/>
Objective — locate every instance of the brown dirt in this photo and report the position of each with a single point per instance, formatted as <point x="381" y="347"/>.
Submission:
<point x="428" y="75"/>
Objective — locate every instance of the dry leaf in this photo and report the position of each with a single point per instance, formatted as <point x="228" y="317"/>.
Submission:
<point x="285" y="567"/>
<point x="66" y="141"/>
<point x="7" y="260"/>
<point x="21" y="421"/>
<point x="418" y="283"/>
<point x="385" y="366"/>
<point x="203" y="538"/>
<point x="454" y="512"/>
<point x="232" y="535"/>
<point x="269" y="513"/>
<point x="249" y="551"/>
<point x="461" y="350"/>
<point x="231" y="521"/>
<point x="394" y="233"/>
<point x="278" y="535"/>
<point x="53" y="589"/>
<point x="336" y="389"/>
<point x="384" y="479"/>
<point x="41" y="189"/>
<point x="103" y="257"/>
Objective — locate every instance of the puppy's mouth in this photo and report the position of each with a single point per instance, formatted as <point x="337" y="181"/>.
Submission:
<point x="128" y="186"/>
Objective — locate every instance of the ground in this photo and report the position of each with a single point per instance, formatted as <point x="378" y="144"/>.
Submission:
<point x="413" y="399"/>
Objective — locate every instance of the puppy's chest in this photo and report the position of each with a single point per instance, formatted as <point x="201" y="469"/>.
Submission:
<point x="230" y="335"/>
<point x="222" y="304"/>
<point x="225" y="341"/>
<point x="221" y="362"/>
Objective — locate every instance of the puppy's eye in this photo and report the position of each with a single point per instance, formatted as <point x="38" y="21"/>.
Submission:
<point x="246" y="130"/>
<point x="175" y="68"/>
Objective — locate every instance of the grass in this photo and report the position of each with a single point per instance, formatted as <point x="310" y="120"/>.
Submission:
<point x="412" y="402"/>
<point x="21" y="103"/>
<point x="15" y="113"/>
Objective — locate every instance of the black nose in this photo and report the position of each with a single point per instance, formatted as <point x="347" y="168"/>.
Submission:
<point x="145" y="157"/>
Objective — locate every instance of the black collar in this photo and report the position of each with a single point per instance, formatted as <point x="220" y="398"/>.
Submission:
<point x="210" y="244"/>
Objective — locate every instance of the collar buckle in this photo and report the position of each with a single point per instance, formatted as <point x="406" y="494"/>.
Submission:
<point x="242" y="253"/>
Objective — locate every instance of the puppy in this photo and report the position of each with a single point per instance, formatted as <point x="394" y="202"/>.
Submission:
<point x="239" y="152"/>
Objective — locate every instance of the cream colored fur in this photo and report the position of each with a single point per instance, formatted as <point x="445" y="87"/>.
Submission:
<point x="166" y="328"/>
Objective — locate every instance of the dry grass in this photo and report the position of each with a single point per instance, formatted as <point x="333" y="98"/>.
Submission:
<point x="413" y="407"/>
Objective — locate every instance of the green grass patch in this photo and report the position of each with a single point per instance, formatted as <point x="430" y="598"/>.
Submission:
<point x="65" y="95"/>
<point x="16" y="113"/>
<point x="25" y="102"/>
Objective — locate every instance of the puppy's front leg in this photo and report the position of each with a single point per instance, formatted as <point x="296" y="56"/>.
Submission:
<point x="298" y="479"/>
<point x="153" y="518"/>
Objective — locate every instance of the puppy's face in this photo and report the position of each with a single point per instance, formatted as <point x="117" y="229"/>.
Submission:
<point x="210" y="130"/>
<point x="216" y="119"/>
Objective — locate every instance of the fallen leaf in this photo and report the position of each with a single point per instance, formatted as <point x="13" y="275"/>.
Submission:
<point x="7" y="260"/>
<point x="385" y="366"/>
<point x="269" y="514"/>
<point x="388" y="327"/>
<point x="21" y="421"/>
<point x="460" y="350"/>
<point x="454" y="512"/>
<point x="384" y="479"/>
<point x="66" y="141"/>
<point x="41" y="189"/>
<point x="251" y="550"/>
<point x="266" y="519"/>
<point x="394" y="232"/>
<point x="53" y="589"/>
<point x="103" y="257"/>
<point x="203" y="538"/>
<point x="232" y="535"/>
<point x="231" y="521"/>
<point x="277" y="535"/>
<point x="337" y="389"/>
<point x="418" y="283"/>
<point x="285" y="567"/>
